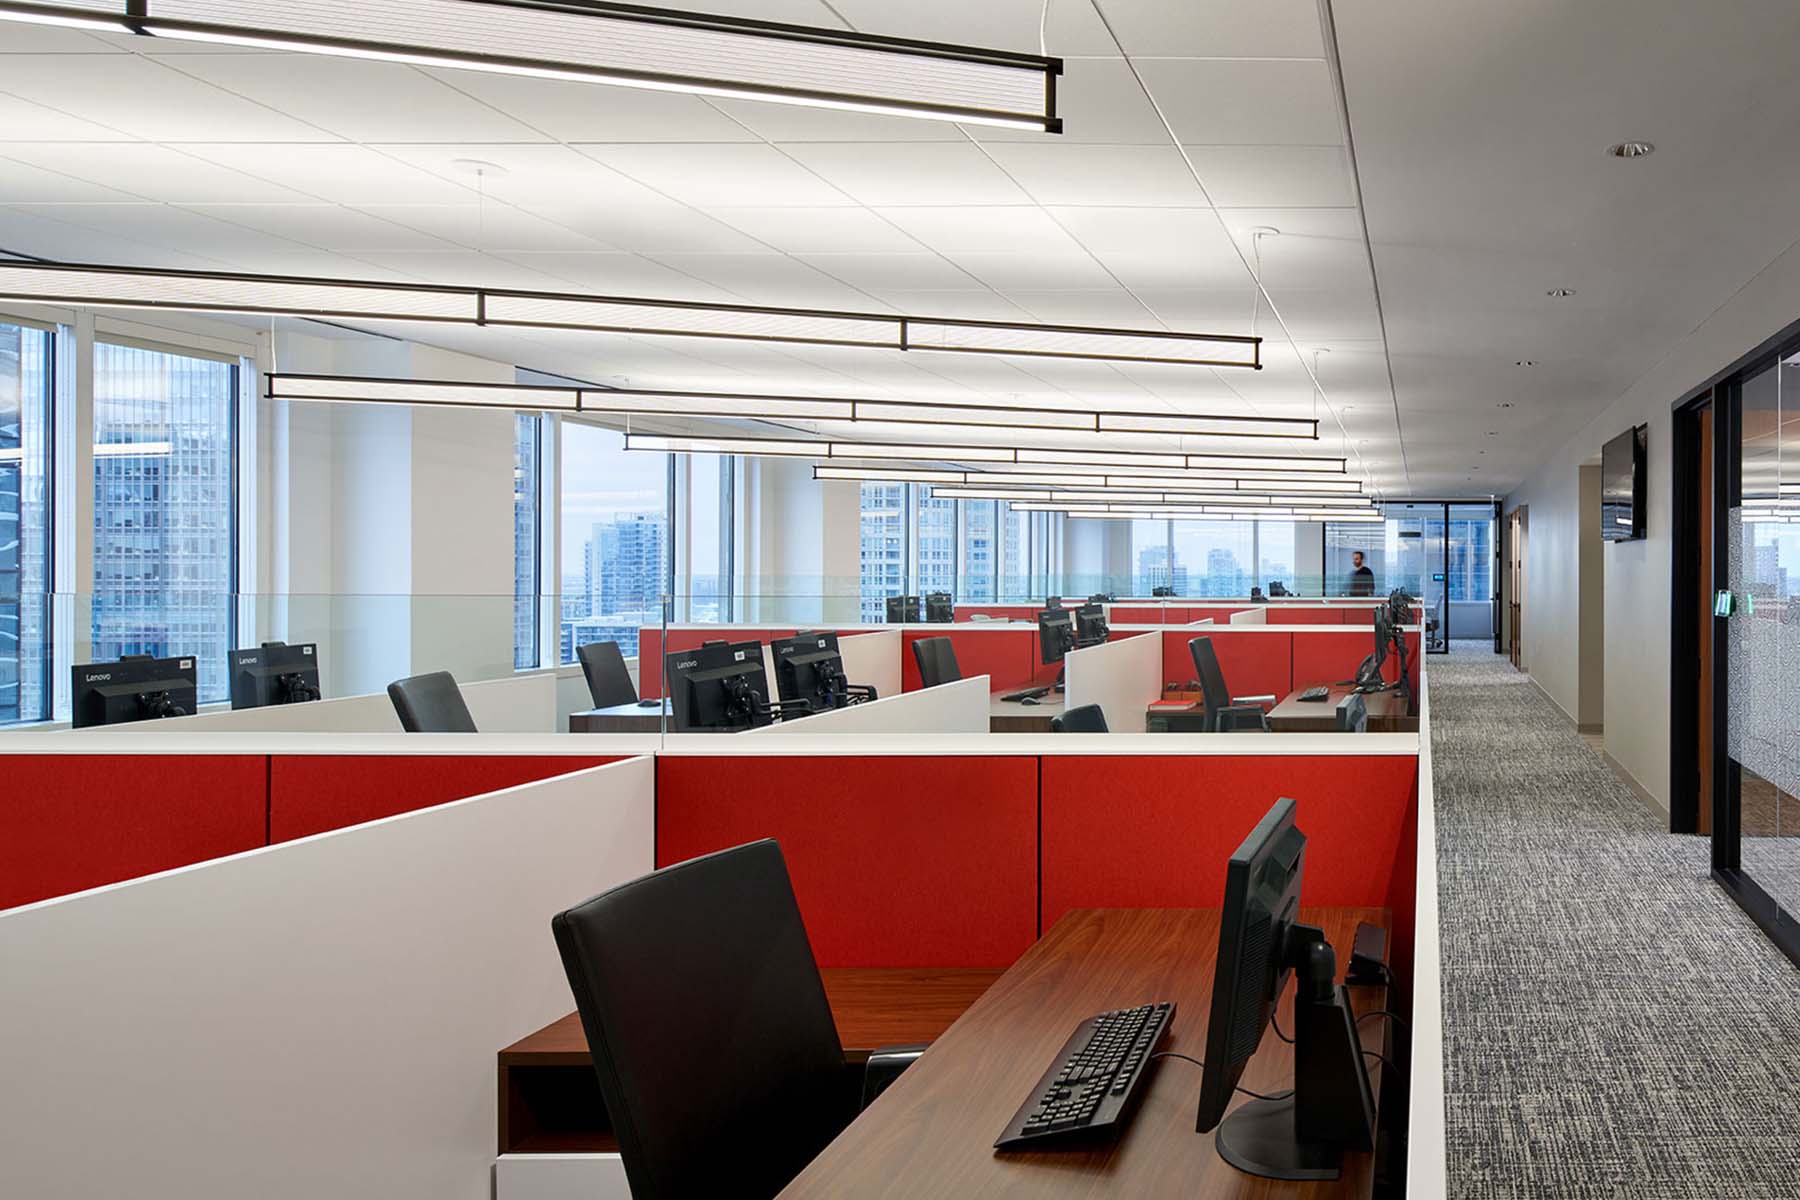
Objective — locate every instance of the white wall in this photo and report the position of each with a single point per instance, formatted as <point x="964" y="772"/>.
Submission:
<point x="318" y="1018"/>
<point x="1637" y="574"/>
<point x="800" y="554"/>
<point x="1590" y="711"/>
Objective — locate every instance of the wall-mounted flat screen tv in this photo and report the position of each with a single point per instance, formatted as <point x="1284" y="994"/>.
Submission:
<point x="1622" y="485"/>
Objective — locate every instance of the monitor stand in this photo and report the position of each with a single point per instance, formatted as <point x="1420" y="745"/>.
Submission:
<point x="1333" y="1107"/>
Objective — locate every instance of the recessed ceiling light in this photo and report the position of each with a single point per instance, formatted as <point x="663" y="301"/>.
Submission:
<point x="478" y="167"/>
<point x="1631" y="149"/>
<point x="1525" y="362"/>
<point x="1505" y="404"/>
<point x="1560" y="293"/>
<point x="1493" y="433"/>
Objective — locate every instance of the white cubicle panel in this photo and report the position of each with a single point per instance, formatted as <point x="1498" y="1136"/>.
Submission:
<point x="1251" y="616"/>
<point x="960" y="707"/>
<point x="525" y="703"/>
<point x="317" y="1018"/>
<point x="1121" y="676"/>
<point x="873" y="659"/>
<point x="1426" y="1167"/>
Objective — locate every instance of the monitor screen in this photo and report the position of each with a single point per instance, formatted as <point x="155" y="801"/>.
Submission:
<point x="1622" y="486"/>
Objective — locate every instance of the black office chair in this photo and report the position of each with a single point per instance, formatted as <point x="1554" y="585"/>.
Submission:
<point x="718" y="1059"/>
<point x="431" y="704"/>
<point x="608" y="679"/>
<point x="1086" y="719"/>
<point x="1225" y="713"/>
<point x="937" y="661"/>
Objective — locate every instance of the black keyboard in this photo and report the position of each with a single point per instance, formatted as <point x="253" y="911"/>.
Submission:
<point x="1027" y="694"/>
<point x="1316" y="693"/>
<point x="1092" y="1081"/>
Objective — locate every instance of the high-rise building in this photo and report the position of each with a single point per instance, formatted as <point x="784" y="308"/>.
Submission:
<point x="883" y="546"/>
<point x="163" y="515"/>
<point x="625" y="572"/>
<point x="1154" y="570"/>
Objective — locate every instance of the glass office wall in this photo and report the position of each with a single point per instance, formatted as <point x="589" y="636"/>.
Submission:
<point x="1442" y="552"/>
<point x="165" y="458"/>
<point x="1275" y="562"/>
<point x="527" y="554"/>
<point x="705" y="590"/>
<point x="26" y="390"/>
<point x="615" y="539"/>
<point x="1763" y="694"/>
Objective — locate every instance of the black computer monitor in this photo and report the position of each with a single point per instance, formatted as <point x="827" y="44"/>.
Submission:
<point x="1162" y="591"/>
<point x="1056" y="634"/>
<point x="1053" y="602"/>
<point x="274" y="673"/>
<point x="720" y="687"/>
<point x="1090" y="626"/>
<point x="902" y="610"/>
<point x="1261" y="943"/>
<point x="939" y="609"/>
<point x="136" y="688"/>
<point x="1101" y="598"/>
<point x="809" y="674"/>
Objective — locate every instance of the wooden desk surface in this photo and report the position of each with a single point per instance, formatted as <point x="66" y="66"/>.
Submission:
<point x="1011" y="716"/>
<point x="1387" y="712"/>
<point x="931" y="1134"/>
<point x="620" y="718"/>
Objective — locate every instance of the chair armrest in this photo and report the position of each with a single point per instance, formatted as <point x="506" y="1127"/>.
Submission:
<point x="1253" y="700"/>
<point x="1243" y="718"/>
<point x="884" y="1066"/>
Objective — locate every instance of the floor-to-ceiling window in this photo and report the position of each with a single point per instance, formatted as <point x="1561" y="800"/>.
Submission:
<point x="527" y="538"/>
<point x="27" y="377"/>
<point x="884" y="547"/>
<point x="165" y="455"/>
<point x="935" y="547"/>
<point x="704" y="592"/>
<point x="615" y="539"/>
<point x="1275" y="556"/>
<point x="1440" y="552"/>
<point x="978" y="565"/>
<point x="1218" y="556"/>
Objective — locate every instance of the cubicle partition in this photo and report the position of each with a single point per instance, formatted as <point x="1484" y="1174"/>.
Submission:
<point x="316" y="1018"/>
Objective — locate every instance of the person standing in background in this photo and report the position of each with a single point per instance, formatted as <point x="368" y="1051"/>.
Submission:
<point x="1362" y="580"/>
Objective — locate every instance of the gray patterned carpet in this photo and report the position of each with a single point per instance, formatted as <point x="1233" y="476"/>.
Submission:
<point x="1614" y="1026"/>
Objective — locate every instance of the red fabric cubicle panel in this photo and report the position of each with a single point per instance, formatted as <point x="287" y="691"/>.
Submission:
<point x="1309" y="616"/>
<point x="1330" y="655"/>
<point x="1403" y="903"/>
<point x="1132" y="614"/>
<point x="1155" y="831"/>
<point x="69" y="822"/>
<point x="1007" y="656"/>
<point x="1254" y="662"/>
<point x="650" y="658"/>
<point x="999" y="612"/>
<point x="904" y="861"/>
<point x="313" y="793"/>
<point x="1218" y="616"/>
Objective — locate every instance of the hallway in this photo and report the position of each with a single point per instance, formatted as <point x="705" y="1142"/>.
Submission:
<point x="1613" y="1025"/>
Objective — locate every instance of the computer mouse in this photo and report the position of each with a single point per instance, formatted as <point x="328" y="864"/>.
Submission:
<point x="649" y="703"/>
<point x="1031" y="700"/>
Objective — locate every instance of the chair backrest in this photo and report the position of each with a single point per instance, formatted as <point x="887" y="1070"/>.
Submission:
<point x="608" y="678"/>
<point x="718" y="1060"/>
<point x="1213" y="692"/>
<point x="1088" y="718"/>
<point x="431" y="704"/>
<point x="937" y="661"/>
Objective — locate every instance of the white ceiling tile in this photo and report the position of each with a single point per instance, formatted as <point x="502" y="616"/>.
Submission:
<point x="1034" y="272"/>
<point x="328" y="226"/>
<point x="167" y="225"/>
<point x="617" y="274"/>
<point x="151" y="172"/>
<point x="893" y="272"/>
<point x="22" y="182"/>
<point x="1217" y="310"/>
<point x="1328" y="315"/>
<point x="767" y="278"/>
<point x="50" y="39"/>
<point x="803" y="123"/>
<point x="652" y="226"/>
<point x="1148" y="230"/>
<point x="460" y="268"/>
<point x="910" y="173"/>
<point x="1274" y="176"/>
<point x="587" y="112"/>
<point x="46" y="236"/>
<point x="1070" y="27"/>
<point x="485" y="226"/>
<point x="968" y="306"/>
<point x="819" y="230"/>
<point x="1184" y="28"/>
<point x="148" y="100"/>
<point x="1094" y="306"/>
<point x="1173" y="267"/>
<point x="1122" y="175"/>
<point x="1099" y="100"/>
<point x="1243" y="102"/>
<point x="984" y="229"/>
<point x="27" y="121"/>
<point x="340" y="173"/>
<point x="359" y="99"/>
<point x="734" y="175"/>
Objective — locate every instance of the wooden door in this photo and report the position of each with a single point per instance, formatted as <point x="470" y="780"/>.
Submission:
<point x="1515" y="580"/>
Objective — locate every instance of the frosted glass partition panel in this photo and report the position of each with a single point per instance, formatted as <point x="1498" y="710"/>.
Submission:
<point x="1763" y="692"/>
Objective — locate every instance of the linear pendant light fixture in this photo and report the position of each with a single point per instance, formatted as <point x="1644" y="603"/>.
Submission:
<point x="1053" y="495"/>
<point x="278" y="295"/>
<point x="617" y="44"/>
<point x="639" y="402"/>
<point x="993" y="476"/>
<point x="923" y="452"/>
